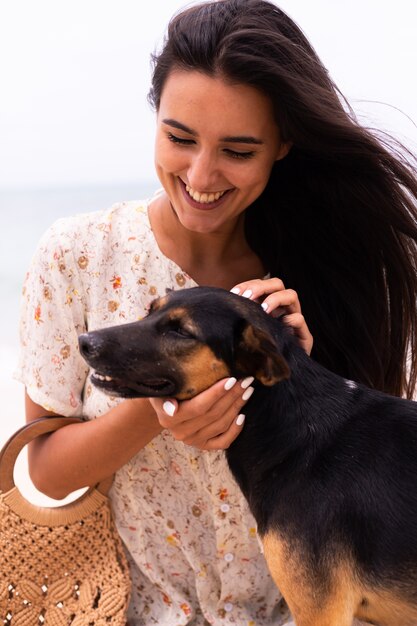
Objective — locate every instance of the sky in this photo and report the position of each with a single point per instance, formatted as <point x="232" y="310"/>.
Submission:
<point x="74" y="78"/>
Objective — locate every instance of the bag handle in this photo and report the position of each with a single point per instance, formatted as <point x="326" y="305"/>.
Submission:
<point x="25" y="435"/>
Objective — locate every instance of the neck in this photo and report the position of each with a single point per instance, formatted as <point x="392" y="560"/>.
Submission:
<point x="212" y="248"/>
<point x="219" y="258"/>
<point x="289" y="424"/>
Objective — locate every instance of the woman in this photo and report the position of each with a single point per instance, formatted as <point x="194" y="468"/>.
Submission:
<point x="268" y="181"/>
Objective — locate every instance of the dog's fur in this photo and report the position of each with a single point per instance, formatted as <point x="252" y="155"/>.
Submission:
<point x="329" y="467"/>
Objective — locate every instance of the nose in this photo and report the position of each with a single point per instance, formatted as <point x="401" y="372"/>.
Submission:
<point x="91" y="346"/>
<point x="203" y="172"/>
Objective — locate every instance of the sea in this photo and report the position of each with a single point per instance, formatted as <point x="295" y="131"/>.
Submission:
<point x="25" y="215"/>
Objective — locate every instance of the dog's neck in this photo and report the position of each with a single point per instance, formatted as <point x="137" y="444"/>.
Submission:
<point x="289" y="424"/>
<point x="309" y="405"/>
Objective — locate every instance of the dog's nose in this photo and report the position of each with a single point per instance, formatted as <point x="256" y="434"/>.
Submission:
<point x="90" y="345"/>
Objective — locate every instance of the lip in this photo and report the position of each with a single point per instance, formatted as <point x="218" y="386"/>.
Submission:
<point x="207" y="206"/>
<point x="134" y="389"/>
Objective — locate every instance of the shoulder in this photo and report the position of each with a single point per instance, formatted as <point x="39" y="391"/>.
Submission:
<point x="88" y="230"/>
<point x="103" y="221"/>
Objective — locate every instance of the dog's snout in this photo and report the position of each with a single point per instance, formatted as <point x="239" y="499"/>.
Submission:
<point x="91" y="345"/>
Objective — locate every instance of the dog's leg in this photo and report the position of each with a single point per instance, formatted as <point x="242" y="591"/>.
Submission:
<point x="311" y="602"/>
<point x="308" y="609"/>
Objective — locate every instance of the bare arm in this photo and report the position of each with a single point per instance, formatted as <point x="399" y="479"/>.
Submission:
<point x="81" y="455"/>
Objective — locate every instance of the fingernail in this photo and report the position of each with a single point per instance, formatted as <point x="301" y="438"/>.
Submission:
<point x="169" y="408"/>
<point x="240" y="419"/>
<point x="249" y="391"/>
<point x="246" y="382"/>
<point x="229" y="383"/>
<point x="247" y="293"/>
<point x="235" y="290"/>
<point x="264" y="306"/>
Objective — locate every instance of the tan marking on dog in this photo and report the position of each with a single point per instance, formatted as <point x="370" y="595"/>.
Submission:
<point x="388" y="607"/>
<point x="178" y="313"/>
<point x="181" y="315"/>
<point x="343" y="597"/>
<point x="158" y="303"/>
<point x="201" y="369"/>
<point x="259" y="354"/>
<point x="311" y="605"/>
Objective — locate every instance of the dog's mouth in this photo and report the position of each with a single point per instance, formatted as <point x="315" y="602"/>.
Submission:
<point x="152" y="387"/>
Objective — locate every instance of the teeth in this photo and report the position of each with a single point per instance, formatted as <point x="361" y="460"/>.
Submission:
<point x="204" y="198"/>
<point x="101" y="377"/>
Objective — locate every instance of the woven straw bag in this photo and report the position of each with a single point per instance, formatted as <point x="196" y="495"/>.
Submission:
<point x="58" y="566"/>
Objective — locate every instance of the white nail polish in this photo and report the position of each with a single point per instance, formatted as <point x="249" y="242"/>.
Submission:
<point x="235" y="290"/>
<point x="229" y="383"/>
<point x="240" y="419"/>
<point x="249" y="391"/>
<point x="169" y="408"/>
<point x="264" y="306"/>
<point x="247" y="293"/>
<point x="246" y="382"/>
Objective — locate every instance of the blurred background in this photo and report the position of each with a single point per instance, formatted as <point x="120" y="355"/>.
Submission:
<point x="76" y="131"/>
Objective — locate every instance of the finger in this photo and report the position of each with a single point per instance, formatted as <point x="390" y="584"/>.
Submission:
<point x="232" y="402"/>
<point x="223" y="441"/>
<point x="207" y="428"/>
<point x="214" y="423"/>
<point x="298" y="324"/>
<point x="257" y="288"/>
<point x="226" y="430"/>
<point x="189" y="416"/>
<point x="170" y="412"/>
<point x="170" y="407"/>
<point x="212" y="431"/>
<point x="167" y="406"/>
<point x="217" y="400"/>
<point x="288" y="298"/>
<point x="204" y="402"/>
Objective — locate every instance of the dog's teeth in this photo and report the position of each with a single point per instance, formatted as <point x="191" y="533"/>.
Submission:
<point x="101" y="377"/>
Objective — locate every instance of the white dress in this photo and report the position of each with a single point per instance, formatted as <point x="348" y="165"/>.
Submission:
<point x="191" y="541"/>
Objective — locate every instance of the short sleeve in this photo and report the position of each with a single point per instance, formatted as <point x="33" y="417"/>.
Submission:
<point x="52" y="316"/>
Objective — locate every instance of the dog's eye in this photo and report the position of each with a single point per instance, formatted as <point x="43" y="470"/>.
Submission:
<point x="176" y="328"/>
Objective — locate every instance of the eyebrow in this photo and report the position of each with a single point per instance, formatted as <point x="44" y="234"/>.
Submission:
<point x="230" y="139"/>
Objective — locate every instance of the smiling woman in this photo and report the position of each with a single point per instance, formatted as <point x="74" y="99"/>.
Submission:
<point x="272" y="189"/>
<point x="219" y="148"/>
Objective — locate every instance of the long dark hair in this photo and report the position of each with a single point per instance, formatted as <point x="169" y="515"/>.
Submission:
<point x="337" y="220"/>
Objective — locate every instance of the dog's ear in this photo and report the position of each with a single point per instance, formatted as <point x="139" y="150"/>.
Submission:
<point x="257" y="355"/>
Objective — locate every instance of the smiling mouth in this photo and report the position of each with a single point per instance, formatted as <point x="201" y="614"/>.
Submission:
<point x="153" y="387"/>
<point x="204" y="200"/>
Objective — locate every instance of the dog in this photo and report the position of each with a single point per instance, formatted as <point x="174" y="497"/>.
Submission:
<point x="328" y="466"/>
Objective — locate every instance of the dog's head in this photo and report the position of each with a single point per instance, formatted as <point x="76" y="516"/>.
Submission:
<point x="189" y="340"/>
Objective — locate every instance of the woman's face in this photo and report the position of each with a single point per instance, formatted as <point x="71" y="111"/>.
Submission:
<point x="216" y="144"/>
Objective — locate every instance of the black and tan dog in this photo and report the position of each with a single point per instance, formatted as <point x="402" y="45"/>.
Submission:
<point x="329" y="467"/>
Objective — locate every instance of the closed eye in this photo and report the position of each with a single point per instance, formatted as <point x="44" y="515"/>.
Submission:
<point x="175" y="327"/>
<point x="234" y="154"/>
<point x="180" y="140"/>
<point x="181" y="332"/>
<point x="239" y="155"/>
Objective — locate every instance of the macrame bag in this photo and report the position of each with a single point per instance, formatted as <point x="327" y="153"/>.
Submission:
<point x="61" y="566"/>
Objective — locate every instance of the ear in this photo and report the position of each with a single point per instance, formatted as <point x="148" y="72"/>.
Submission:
<point x="257" y="355"/>
<point x="284" y="149"/>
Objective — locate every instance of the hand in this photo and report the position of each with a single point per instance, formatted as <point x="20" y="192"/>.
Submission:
<point x="209" y="421"/>
<point x="279" y="300"/>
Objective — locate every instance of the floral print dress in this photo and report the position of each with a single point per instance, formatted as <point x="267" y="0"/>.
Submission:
<point x="191" y="541"/>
